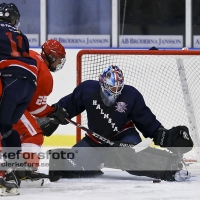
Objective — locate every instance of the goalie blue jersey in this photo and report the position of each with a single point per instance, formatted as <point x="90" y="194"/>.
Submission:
<point x="107" y="121"/>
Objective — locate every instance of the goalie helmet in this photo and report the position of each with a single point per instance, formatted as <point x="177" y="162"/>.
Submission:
<point x="51" y="51"/>
<point x="112" y="82"/>
<point x="10" y="13"/>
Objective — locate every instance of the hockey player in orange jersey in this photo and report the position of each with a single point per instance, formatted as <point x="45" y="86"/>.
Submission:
<point x="51" y="59"/>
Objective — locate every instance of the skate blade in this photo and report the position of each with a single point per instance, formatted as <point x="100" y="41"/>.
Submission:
<point x="34" y="183"/>
<point x="6" y="192"/>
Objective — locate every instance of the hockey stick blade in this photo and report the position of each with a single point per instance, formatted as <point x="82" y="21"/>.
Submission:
<point x="139" y="147"/>
<point x="142" y="145"/>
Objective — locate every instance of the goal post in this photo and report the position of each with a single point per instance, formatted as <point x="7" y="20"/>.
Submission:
<point x="169" y="81"/>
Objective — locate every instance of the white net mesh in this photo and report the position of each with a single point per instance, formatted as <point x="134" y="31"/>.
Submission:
<point x="157" y="78"/>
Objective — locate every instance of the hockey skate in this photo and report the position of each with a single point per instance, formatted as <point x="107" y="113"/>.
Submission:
<point x="182" y="175"/>
<point x="28" y="177"/>
<point x="9" y="188"/>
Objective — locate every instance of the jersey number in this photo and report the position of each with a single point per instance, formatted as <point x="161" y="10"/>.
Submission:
<point x="14" y="52"/>
<point x="41" y="100"/>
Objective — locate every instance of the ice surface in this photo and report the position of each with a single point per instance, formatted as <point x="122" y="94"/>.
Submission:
<point x="114" y="185"/>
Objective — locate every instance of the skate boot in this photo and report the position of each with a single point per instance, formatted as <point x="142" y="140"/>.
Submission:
<point x="182" y="175"/>
<point x="9" y="188"/>
<point x="29" y="177"/>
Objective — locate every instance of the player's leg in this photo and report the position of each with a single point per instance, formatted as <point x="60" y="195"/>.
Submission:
<point x="31" y="140"/>
<point x="159" y="164"/>
<point x="151" y="162"/>
<point x="82" y="160"/>
<point x="86" y="156"/>
<point x="15" y="98"/>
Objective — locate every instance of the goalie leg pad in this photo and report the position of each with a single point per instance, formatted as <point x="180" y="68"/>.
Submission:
<point x="56" y="165"/>
<point x="81" y="157"/>
<point x="61" y="168"/>
<point x="151" y="162"/>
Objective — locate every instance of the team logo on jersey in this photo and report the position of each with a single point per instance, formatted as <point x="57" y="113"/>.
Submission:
<point x="121" y="107"/>
<point x="105" y="115"/>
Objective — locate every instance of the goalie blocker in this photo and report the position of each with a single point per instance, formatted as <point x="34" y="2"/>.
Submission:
<point x="151" y="162"/>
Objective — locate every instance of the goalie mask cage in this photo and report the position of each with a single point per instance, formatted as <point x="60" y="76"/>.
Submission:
<point x="169" y="81"/>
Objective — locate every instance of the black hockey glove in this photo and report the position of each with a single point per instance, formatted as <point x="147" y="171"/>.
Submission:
<point x="59" y="114"/>
<point x="48" y="125"/>
<point x="177" y="139"/>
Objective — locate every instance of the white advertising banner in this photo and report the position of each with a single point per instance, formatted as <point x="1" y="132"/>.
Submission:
<point x="196" y="41"/>
<point x="147" y="41"/>
<point x="33" y="39"/>
<point x="82" y="40"/>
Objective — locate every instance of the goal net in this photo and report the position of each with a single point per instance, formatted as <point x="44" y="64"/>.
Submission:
<point x="168" y="80"/>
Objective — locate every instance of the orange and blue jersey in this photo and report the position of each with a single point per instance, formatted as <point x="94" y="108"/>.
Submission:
<point x="15" y="60"/>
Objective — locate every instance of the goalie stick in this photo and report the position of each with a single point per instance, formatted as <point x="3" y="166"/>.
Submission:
<point x="139" y="147"/>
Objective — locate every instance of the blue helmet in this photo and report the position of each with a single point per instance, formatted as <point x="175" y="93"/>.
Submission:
<point x="9" y="13"/>
<point x="111" y="81"/>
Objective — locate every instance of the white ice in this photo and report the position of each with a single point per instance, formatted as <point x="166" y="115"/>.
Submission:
<point x="114" y="185"/>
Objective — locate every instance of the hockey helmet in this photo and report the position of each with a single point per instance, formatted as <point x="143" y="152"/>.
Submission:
<point x="10" y="13"/>
<point x="112" y="81"/>
<point x="51" y="50"/>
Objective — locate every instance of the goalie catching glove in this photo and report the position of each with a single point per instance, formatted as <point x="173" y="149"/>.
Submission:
<point x="176" y="139"/>
<point x="59" y="114"/>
